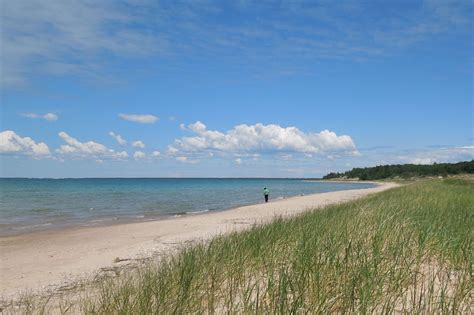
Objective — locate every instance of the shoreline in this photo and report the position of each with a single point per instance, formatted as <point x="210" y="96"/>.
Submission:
<point x="345" y="181"/>
<point x="119" y="220"/>
<point x="47" y="260"/>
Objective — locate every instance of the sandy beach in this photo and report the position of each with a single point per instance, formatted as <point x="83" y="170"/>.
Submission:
<point x="47" y="260"/>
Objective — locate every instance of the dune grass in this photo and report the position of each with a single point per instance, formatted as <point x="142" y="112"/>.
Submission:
<point x="408" y="249"/>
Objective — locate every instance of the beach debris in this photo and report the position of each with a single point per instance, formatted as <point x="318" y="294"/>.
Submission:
<point x="118" y="259"/>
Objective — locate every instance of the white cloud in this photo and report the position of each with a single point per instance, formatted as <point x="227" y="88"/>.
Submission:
<point x="50" y="117"/>
<point x="10" y="142"/>
<point x="47" y="116"/>
<point x="238" y="161"/>
<point x="83" y="32"/>
<point x="142" y="119"/>
<point x="123" y="155"/>
<point x="440" y="155"/>
<point x="262" y="138"/>
<point x="88" y="32"/>
<point x="138" y="144"/>
<point x="156" y="153"/>
<point x="74" y="146"/>
<point x="118" y="138"/>
<point x="172" y="150"/>
<point x="184" y="159"/>
<point x="139" y="155"/>
<point x="85" y="149"/>
<point x="422" y="161"/>
<point x="182" y="127"/>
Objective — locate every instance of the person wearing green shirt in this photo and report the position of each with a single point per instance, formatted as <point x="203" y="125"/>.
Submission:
<point x="266" y="193"/>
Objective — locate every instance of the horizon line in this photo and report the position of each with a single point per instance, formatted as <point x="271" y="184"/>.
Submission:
<point x="13" y="177"/>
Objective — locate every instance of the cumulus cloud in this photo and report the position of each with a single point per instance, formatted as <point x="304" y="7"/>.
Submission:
<point x="123" y="155"/>
<point x="118" y="138"/>
<point x="138" y="144"/>
<point x="156" y="153"/>
<point x="172" y="150"/>
<point x="139" y="155"/>
<point x="11" y="143"/>
<point x="142" y="119"/>
<point x="85" y="149"/>
<point x="47" y="116"/>
<point x="262" y="138"/>
<point x="74" y="146"/>
<point x="238" y="161"/>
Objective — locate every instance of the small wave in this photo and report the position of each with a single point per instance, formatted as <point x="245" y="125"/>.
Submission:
<point x="181" y="213"/>
<point x="178" y="214"/>
<point x="198" y="212"/>
<point x="103" y="220"/>
<point x="279" y="198"/>
<point x="32" y="226"/>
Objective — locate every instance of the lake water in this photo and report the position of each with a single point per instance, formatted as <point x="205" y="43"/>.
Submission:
<point x="39" y="204"/>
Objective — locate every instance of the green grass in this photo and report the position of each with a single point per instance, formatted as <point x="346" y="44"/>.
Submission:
<point x="408" y="249"/>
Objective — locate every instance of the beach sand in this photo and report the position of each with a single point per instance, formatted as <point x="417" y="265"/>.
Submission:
<point x="46" y="261"/>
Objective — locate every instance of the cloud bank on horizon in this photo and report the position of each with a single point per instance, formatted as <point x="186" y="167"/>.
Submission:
<point x="248" y="139"/>
<point x="241" y="143"/>
<point x="261" y="138"/>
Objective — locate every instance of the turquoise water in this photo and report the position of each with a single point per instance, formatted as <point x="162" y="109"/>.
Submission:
<point x="39" y="204"/>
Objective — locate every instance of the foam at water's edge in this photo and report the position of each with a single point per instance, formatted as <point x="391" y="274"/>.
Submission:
<point x="197" y="212"/>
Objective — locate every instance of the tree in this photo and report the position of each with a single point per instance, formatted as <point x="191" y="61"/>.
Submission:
<point x="406" y="171"/>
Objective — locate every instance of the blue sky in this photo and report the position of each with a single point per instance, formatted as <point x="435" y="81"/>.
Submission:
<point x="233" y="88"/>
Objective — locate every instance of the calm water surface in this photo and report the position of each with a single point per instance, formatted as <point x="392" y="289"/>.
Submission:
<point x="39" y="204"/>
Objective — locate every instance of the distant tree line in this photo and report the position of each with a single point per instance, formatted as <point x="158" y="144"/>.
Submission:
<point x="406" y="171"/>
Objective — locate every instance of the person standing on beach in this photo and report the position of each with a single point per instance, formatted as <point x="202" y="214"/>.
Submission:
<point x="266" y="193"/>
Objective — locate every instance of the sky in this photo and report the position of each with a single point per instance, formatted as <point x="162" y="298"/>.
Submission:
<point x="139" y="88"/>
